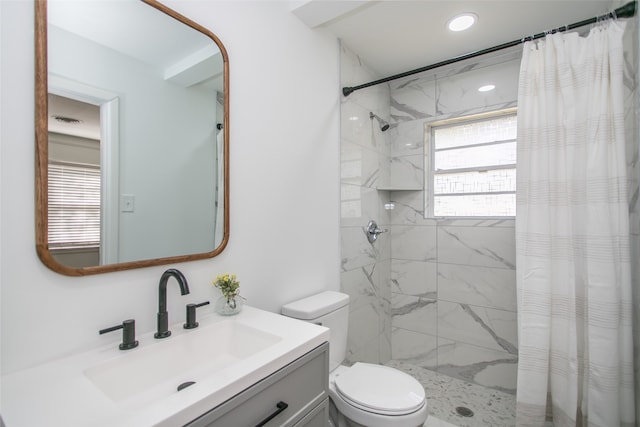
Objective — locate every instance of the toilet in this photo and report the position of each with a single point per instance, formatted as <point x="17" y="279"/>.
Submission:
<point x="364" y="394"/>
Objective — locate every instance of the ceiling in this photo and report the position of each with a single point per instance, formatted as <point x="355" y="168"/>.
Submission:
<point x="131" y="28"/>
<point x="71" y="117"/>
<point x="393" y="36"/>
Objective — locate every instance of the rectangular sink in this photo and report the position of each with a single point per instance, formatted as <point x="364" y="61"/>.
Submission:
<point x="106" y="387"/>
<point x="185" y="357"/>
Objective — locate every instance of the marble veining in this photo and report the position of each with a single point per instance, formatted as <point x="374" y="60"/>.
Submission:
<point x="359" y="165"/>
<point x="484" y="246"/>
<point x="416" y="243"/>
<point x="453" y="89"/>
<point x="407" y="171"/>
<point x="458" y="93"/>
<point x="479" y="365"/>
<point x="360" y="285"/>
<point x="469" y="372"/>
<point x="476" y="285"/>
<point x="407" y="138"/>
<point x="356" y="250"/>
<point x="417" y="278"/>
<point x="409" y="209"/>
<point x="406" y="213"/>
<point x="506" y="345"/>
<point x="357" y="204"/>
<point x="402" y="83"/>
<point x="411" y="307"/>
<point x="483" y="327"/>
<point x="405" y="112"/>
<point x="414" y="314"/>
<point x="414" y="347"/>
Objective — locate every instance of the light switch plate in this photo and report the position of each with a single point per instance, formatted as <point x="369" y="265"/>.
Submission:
<point x="127" y="203"/>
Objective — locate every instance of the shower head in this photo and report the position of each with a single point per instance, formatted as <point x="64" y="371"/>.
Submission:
<point x="383" y="124"/>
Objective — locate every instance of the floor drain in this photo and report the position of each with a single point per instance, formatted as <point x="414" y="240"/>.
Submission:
<point x="464" y="411"/>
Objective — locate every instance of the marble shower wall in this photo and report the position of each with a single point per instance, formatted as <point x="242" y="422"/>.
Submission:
<point x="452" y="281"/>
<point x="454" y="308"/>
<point x="365" y="269"/>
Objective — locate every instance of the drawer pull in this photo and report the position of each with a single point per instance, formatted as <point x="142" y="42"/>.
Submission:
<point x="281" y="407"/>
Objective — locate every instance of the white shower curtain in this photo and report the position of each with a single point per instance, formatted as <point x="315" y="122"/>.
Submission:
<point x="572" y="233"/>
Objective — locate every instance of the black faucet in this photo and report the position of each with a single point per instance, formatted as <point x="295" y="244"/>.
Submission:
<point x="191" y="315"/>
<point x="163" y="316"/>
<point x="128" y="334"/>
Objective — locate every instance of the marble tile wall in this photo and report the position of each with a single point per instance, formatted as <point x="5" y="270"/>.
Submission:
<point x="452" y="281"/>
<point x="366" y="267"/>
<point x="455" y="311"/>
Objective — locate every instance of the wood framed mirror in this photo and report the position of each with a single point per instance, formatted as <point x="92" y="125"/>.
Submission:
<point x="132" y="140"/>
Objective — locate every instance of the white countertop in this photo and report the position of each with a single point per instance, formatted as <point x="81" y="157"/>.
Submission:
<point x="58" y="393"/>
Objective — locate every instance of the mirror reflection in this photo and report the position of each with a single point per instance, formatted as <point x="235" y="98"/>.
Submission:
<point x="135" y="140"/>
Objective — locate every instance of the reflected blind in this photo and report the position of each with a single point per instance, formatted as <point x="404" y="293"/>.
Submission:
<point x="74" y="205"/>
<point x="474" y="168"/>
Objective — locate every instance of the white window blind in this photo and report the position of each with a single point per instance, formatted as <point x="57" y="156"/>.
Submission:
<point x="74" y="205"/>
<point x="474" y="168"/>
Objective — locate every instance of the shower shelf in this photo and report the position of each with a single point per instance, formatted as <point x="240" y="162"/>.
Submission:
<point x="397" y="188"/>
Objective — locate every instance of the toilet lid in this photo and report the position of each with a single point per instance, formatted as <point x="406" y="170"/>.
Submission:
<point x="380" y="389"/>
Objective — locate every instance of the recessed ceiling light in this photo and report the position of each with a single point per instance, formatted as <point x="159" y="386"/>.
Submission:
<point x="462" y="22"/>
<point x="486" y="88"/>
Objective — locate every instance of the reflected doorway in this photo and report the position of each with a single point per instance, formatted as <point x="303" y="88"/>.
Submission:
<point x="74" y="181"/>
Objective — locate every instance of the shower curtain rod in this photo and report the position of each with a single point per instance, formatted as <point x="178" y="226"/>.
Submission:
<point x="626" y="11"/>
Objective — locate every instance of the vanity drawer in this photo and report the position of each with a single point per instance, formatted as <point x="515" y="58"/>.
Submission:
<point x="302" y="385"/>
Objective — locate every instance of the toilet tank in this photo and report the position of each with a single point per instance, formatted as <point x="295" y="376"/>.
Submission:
<point x="329" y="309"/>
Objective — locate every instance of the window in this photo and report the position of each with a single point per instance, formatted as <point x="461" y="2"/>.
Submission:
<point x="74" y="205"/>
<point x="473" y="166"/>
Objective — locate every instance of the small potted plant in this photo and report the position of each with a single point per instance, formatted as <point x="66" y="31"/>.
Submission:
<point x="230" y="302"/>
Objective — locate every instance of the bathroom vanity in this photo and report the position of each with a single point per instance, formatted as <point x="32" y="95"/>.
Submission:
<point x="253" y="369"/>
<point x="296" y="395"/>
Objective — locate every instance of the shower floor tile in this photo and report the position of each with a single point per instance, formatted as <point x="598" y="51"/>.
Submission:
<point x="432" y="421"/>
<point x="490" y="407"/>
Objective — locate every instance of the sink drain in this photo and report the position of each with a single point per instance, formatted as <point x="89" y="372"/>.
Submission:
<point x="464" y="411"/>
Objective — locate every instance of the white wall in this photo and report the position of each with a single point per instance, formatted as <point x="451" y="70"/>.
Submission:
<point x="284" y="187"/>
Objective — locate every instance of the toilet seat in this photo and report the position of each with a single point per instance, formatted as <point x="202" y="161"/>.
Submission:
<point x="380" y="389"/>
